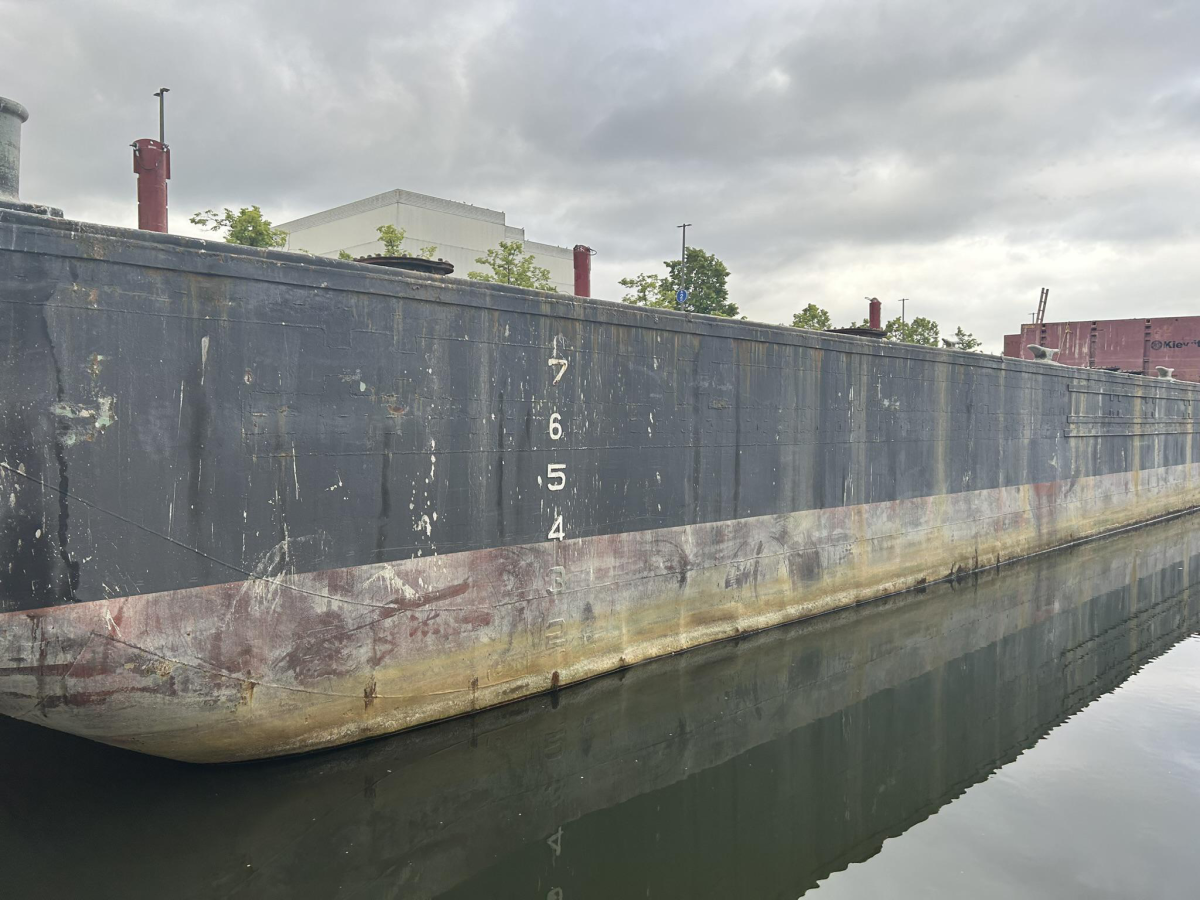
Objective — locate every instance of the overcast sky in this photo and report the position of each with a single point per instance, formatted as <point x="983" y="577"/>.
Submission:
<point x="962" y="155"/>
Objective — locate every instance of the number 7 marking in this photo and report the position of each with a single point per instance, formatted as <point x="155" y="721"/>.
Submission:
<point x="555" y="361"/>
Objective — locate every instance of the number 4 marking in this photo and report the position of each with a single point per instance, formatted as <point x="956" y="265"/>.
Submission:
<point x="556" y="530"/>
<point x="562" y="363"/>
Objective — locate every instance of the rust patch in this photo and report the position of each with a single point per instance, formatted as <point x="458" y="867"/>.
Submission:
<point x="370" y="692"/>
<point x="77" y="423"/>
<point x="477" y="618"/>
<point x="322" y="645"/>
<point x="342" y="582"/>
<point x="425" y="626"/>
<point x="446" y="593"/>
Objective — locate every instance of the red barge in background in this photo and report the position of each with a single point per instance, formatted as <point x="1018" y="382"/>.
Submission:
<point x="1133" y="346"/>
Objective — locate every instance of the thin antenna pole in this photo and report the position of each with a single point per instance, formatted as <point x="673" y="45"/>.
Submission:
<point x="162" y="123"/>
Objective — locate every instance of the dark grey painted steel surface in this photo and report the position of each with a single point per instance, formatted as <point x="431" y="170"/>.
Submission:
<point x="176" y="412"/>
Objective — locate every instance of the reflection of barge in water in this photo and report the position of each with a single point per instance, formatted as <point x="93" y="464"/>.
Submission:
<point x="784" y="756"/>
<point x="259" y="504"/>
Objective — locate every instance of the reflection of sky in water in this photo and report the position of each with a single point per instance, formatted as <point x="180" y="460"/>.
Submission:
<point x="925" y="735"/>
<point x="1107" y="805"/>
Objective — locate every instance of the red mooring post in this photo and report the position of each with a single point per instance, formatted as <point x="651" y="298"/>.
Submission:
<point x="583" y="270"/>
<point x="152" y="165"/>
<point x="874" y="316"/>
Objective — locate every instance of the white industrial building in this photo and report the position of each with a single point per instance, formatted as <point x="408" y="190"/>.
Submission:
<point x="460" y="232"/>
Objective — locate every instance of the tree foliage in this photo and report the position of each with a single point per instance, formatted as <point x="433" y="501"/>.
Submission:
<point x="510" y="264"/>
<point x="964" y="340"/>
<point x="247" y="227"/>
<point x="649" y="290"/>
<point x="392" y="239"/>
<point x="919" y="330"/>
<point x="704" y="279"/>
<point x="812" y="316"/>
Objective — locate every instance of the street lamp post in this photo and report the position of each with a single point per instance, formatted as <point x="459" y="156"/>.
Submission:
<point x="682" y="261"/>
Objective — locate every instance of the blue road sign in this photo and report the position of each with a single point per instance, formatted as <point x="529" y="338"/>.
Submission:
<point x="680" y="295"/>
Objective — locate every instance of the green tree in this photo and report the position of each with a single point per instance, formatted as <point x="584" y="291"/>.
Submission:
<point x="704" y="279"/>
<point x="919" y="331"/>
<point x="510" y="264"/>
<point x="649" y="290"/>
<point x="247" y="227"/>
<point x="812" y="316"/>
<point x="392" y="238"/>
<point x="964" y="340"/>
<point x="342" y="254"/>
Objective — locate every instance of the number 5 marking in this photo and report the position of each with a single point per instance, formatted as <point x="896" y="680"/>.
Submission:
<point x="555" y="361"/>
<point x="557" y="473"/>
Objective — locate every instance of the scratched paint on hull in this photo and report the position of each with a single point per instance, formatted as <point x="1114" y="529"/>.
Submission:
<point x="277" y="666"/>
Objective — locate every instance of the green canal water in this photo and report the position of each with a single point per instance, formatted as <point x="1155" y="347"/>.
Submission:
<point x="1033" y="731"/>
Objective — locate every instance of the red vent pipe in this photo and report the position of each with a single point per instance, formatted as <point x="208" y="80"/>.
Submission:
<point x="875" y="306"/>
<point x="583" y="270"/>
<point x="152" y="165"/>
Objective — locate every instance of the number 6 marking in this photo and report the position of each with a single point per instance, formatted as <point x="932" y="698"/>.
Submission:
<point x="556" y="429"/>
<point x="556" y="532"/>
<point x="555" y="361"/>
<point x="556" y="471"/>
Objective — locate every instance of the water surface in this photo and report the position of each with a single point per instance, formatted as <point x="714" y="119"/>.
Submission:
<point x="1032" y="731"/>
